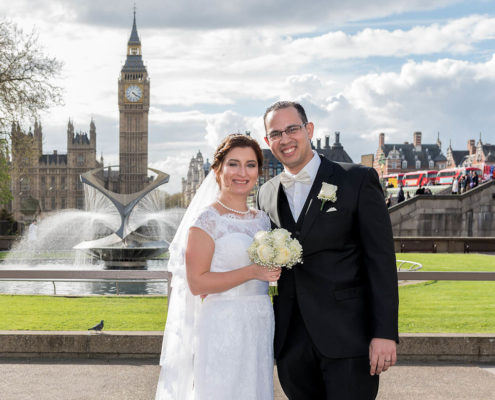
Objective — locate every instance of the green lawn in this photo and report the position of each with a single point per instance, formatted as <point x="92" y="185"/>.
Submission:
<point x="451" y="262"/>
<point x="448" y="306"/>
<point x="120" y="313"/>
<point x="438" y="306"/>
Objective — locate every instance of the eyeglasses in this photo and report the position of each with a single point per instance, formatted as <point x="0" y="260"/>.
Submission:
<point x="275" y="136"/>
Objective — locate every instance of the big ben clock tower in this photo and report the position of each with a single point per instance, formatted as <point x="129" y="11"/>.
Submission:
<point x="134" y="104"/>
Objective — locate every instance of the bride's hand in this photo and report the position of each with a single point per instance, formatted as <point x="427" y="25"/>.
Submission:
<point x="266" y="274"/>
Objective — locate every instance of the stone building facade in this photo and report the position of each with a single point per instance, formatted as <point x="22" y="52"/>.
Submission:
<point x="470" y="214"/>
<point x="477" y="155"/>
<point x="134" y="105"/>
<point x="197" y="171"/>
<point x="51" y="181"/>
<point x="406" y="157"/>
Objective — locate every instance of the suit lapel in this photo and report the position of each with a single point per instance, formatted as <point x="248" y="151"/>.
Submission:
<point x="312" y="206"/>
<point x="274" y="201"/>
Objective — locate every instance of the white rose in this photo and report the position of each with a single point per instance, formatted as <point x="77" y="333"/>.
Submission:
<point x="280" y="235"/>
<point x="295" y="247"/>
<point x="282" y="257"/>
<point x="260" y="236"/>
<point x="265" y="253"/>
<point x="328" y="192"/>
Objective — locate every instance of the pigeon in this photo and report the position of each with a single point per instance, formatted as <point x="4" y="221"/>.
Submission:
<point x="97" y="328"/>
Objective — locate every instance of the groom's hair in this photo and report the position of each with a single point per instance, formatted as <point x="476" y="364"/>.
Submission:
<point x="286" y="104"/>
<point x="236" y="140"/>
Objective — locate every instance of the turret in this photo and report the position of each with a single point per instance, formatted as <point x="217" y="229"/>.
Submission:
<point x="38" y="137"/>
<point x="70" y="132"/>
<point x="92" y="133"/>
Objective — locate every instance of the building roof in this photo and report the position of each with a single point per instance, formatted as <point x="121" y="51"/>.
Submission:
<point x="57" y="159"/>
<point x="134" y="62"/>
<point x="459" y="156"/>
<point x="134" y="39"/>
<point x="335" y="152"/>
<point x="80" y="138"/>
<point x="488" y="148"/>
<point x="407" y="151"/>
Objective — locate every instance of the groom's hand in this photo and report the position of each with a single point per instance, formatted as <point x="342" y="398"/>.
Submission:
<point x="383" y="354"/>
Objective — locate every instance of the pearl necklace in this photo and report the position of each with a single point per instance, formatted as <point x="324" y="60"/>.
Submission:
<point x="231" y="209"/>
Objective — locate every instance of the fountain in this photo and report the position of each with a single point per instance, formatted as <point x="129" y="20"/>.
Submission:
<point x="135" y="240"/>
<point x="115" y="230"/>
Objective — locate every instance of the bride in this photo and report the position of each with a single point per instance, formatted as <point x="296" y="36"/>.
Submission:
<point x="218" y="340"/>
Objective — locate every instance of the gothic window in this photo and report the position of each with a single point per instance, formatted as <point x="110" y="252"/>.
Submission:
<point x="418" y="164"/>
<point x="62" y="203"/>
<point x="404" y="164"/>
<point x="52" y="183"/>
<point x="431" y="164"/>
<point x="80" y="160"/>
<point x="43" y="183"/>
<point x="25" y="184"/>
<point x="80" y="203"/>
<point x="62" y="183"/>
<point x="53" y="203"/>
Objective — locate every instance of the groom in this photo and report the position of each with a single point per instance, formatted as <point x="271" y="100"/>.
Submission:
<point x="336" y="316"/>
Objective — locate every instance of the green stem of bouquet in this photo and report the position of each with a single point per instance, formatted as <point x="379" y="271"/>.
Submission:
<point x="273" y="290"/>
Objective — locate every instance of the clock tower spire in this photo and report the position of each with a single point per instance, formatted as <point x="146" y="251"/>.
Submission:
<point x="134" y="104"/>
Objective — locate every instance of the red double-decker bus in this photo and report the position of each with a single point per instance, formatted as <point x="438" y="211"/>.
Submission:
<point x="393" y="180"/>
<point x="419" y="178"/>
<point x="446" y="176"/>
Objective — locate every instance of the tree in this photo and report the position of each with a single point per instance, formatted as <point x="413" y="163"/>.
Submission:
<point x="173" y="200"/>
<point x="26" y="75"/>
<point x="4" y="173"/>
<point x="26" y="87"/>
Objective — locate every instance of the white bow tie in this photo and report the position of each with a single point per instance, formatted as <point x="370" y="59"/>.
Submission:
<point x="288" y="180"/>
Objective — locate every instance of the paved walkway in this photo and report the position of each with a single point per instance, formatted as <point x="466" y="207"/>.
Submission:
<point x="105" y="380"/>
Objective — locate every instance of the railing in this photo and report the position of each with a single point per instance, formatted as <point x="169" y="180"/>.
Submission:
<point x="445" y="276"/>
<point x="165" y="276"/>
<point x="86" y="276"/>
<point x="405" y="265"/>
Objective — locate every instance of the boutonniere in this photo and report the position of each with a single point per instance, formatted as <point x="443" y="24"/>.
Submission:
<point x="328" y="192"/>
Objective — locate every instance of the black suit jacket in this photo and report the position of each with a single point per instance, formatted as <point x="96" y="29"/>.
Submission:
<point x="346" y="287"/>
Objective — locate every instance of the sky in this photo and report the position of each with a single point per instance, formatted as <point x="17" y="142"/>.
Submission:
<point x="358" y="67"/>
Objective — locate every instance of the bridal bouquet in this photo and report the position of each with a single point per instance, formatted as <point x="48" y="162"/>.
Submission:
<point x="275" y="249"/>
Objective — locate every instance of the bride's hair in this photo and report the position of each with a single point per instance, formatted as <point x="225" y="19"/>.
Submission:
<point x="232" y="141"/>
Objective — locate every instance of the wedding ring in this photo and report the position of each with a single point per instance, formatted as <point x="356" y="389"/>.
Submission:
<point x="388" y="360"/>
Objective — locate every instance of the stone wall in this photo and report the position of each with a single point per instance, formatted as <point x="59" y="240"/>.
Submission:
<point x="470" y="214"/>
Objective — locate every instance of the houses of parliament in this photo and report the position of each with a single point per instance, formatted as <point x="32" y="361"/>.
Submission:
<point x="49" y="182"/>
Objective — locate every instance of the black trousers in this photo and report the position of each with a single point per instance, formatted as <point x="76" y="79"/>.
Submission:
<point x="305" y="374"/>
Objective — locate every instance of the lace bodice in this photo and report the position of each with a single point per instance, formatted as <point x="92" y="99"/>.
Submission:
<point x="233" y="235"/>
<point x="218" y="225"/>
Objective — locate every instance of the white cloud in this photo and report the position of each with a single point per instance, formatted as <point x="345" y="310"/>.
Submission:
<point x="176" y="166"/>
<point x="453" y="97"/>
<point x="214" y="72"/>
<point x="191" y="14"/>
<point x="220" y="125"/>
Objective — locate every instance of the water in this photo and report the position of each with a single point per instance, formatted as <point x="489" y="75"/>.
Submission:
<point x="82" y="288"/>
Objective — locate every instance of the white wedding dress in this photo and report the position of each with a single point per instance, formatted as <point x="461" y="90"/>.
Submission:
<point x="233" y="338"/>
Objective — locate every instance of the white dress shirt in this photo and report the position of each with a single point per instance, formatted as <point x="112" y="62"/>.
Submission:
<point x="298" y="192"/>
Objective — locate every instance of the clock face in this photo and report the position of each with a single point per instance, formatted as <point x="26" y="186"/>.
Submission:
<point x="133" y="93"/>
